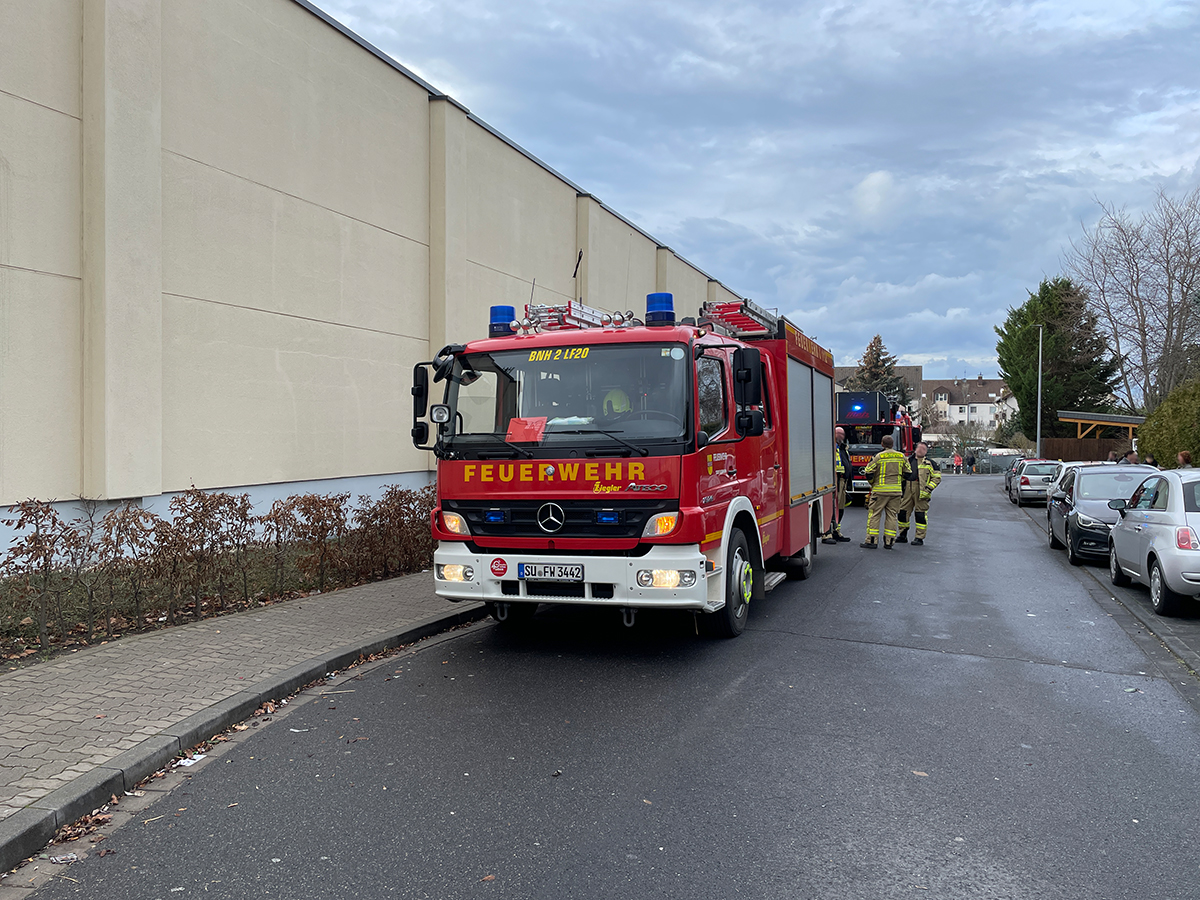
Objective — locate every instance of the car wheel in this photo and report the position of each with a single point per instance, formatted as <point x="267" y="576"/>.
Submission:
<point x="1115" y="573"/>
<point x="1072" y="557"/>
<point x="1055" y="543"/>
<point x="730" y="620"/>
<point x="1166" y="602"/>
<point x="1012" y="499"/>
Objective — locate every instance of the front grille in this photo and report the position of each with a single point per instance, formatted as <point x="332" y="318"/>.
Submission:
<point x="520" y="517"/>
<point x="551" y="589"/>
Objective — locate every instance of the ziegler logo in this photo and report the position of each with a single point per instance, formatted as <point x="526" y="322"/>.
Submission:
<point x="634" y="486"/>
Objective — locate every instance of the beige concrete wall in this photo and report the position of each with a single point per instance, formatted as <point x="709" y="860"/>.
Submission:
<point x="619" y="265"/>
<point x="688" y="284"/>
<point x="227" y="233"/>
<point x="295" y="248"/>
<point x="40" y="265"/>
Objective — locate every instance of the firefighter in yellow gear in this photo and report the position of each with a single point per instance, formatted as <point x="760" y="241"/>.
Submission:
<point x="925" y="477"/>
<point x="841" y="468"/>
<point x="887" y="472"/>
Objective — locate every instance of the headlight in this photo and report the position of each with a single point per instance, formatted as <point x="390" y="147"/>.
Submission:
<point x="454" y="523"/>
<point x="1088" y="522"/>
<point x="661" y="524"/>
<point x="666" y="578"/>
<point x="455" y="572"/>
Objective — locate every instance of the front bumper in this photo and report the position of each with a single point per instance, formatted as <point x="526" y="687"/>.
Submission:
<point x="608" y="580"/>
<point x="1090" y="541"/>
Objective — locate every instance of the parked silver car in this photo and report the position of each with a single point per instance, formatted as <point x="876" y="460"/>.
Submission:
<point x="1155" y="540"/>
<point x="1031" y="480"/>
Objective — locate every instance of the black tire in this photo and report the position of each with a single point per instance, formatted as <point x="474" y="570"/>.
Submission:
<point x="1164" y="600"/>
<point x="1072" y="557"/>
<point x="1055" y="543"/>
<point x="519" y="614"/>
<point x="730" y="620"/>
<point x="1115" y="573"/>
<point x="1012" y="499"/>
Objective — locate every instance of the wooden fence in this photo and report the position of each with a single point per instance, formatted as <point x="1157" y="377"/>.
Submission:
<point x="1086" y="448"/>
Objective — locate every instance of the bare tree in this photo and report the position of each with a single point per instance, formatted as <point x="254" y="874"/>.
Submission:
<point x="929" y="415"/>
<point x="1142" y="279"/>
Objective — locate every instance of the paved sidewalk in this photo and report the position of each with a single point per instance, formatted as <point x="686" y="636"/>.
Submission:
<point x="95" y="722"/>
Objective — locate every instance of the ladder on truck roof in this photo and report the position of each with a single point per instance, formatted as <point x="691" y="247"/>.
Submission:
<point x="742" y="319"/>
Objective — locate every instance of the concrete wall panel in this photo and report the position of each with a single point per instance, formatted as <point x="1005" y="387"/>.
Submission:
<point x="268" y="91"/>
<point x="689" y="285"/>
<point x="622" y="262"/>
<point x="231" y="240"/>
<point x="39" y="188"/>
<point x="40" y="384"/>
<point x="253" y="397"/>
<point x="39" y="52"/>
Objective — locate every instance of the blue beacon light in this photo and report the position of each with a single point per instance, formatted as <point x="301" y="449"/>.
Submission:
<point x="660" y="309"/>
<point x="501" y="318"/>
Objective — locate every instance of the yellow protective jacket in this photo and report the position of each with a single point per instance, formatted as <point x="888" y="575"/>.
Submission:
<point x="888" y="471"/>
<point x="928" y="477"/>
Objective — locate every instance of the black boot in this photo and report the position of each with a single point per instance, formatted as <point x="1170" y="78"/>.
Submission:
<point x="841" y="538"/>
<point x="902" y="538"/>
<point x="887" y="545"/>
<point x="869" y="545"/>
<point x="831" y="538"/>
<point x="918" y="542"/>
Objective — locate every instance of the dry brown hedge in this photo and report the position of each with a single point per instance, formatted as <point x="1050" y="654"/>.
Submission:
<point x="65" y="583"/>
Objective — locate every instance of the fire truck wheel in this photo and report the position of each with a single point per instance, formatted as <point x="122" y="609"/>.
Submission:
<point x="730" y="620"/>
<point x="519" y="614"/>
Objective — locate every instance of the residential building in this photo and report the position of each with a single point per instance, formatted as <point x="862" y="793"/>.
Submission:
<point x="987" y="401"/>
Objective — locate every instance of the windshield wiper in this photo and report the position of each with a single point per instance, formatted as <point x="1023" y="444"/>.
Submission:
<point x="640" y="451"/>
<point x="500" y="454"/>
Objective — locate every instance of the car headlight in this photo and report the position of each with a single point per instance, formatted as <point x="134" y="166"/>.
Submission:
<point x="1088" y="522"/>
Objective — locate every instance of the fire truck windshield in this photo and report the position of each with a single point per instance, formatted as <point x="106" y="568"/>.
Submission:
<point x="868" y="438"/>
<point x="569" y="396"/>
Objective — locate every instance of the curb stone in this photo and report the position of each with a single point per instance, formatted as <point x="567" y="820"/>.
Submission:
<point x="29" y="830"/>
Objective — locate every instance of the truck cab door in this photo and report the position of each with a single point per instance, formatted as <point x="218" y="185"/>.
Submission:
<point x="769" y="504"/>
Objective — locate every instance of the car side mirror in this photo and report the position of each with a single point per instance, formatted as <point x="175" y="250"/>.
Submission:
<point x="1059" y="495"/>
<point x="1118" y="505"/>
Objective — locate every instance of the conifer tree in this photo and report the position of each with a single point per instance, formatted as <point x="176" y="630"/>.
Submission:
<point x="877" y="372"/>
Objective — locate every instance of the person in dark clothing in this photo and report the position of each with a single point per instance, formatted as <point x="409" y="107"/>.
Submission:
<point x="841" y="465"/>
<point x="1129" y="459"/>
<point x="970" y="461"/>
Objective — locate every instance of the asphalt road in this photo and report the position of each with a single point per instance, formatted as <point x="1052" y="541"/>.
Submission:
<point x="970" y="719"/>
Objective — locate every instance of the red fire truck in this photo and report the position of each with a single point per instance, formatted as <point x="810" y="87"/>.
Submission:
<point x="866" y="416"/>
<point x="596" y="458"/>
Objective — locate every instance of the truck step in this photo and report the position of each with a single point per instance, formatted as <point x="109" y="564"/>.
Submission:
<point x="771" y="579"/>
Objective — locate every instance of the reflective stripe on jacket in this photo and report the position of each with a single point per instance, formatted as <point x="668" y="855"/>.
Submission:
<point x="887" y="472"/>
<point x="928" y="476"/>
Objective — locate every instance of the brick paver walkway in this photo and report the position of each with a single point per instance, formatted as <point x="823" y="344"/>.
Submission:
<point x="60" y="719"/>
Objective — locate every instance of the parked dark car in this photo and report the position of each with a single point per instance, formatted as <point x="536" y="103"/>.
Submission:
<point x="1078" y="516"/>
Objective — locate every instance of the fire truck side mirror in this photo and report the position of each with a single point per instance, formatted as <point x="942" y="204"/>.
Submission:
<point x="420" y="391"/>
<point x="747" y="377"/>
<point x="749" y="422"/>
<point x="420" y="395"/>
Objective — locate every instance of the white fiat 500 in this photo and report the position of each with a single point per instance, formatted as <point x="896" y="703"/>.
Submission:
<point x="1157" y="539"/>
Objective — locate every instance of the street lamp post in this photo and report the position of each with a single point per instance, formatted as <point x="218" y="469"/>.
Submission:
<point x="1040" y="329"/>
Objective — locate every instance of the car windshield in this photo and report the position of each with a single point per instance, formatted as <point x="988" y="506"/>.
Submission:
<point x="1110" y="485"/>
<point x="633" y="393"/>
<point x="1040" y="469"/>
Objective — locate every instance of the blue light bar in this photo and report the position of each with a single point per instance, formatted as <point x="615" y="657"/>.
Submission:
<point x="608" y="517"/>
<point x="501" y="319"/>
<point x="494" y="516"/>
<point x="660" y="309"/>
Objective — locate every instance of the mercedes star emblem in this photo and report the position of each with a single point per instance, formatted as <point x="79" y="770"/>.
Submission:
<point x="550" y="517"/>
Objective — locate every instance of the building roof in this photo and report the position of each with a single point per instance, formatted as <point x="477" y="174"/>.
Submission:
<point x="961" y="391"/>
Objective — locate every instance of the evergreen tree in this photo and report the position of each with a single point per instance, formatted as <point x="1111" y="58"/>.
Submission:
<point x="1078" y="368"/>
<point x="877" y="372"/>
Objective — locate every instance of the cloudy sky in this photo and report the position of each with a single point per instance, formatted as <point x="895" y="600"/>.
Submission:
<point x="906" y="167"/>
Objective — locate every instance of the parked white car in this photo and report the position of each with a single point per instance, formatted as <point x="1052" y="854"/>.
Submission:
<point x="1157" y="539"/>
